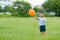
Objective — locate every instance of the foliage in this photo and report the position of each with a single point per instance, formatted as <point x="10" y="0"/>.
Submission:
<point x="38" y="10"/>
<point x="1" y="9"/>
<point x="22" y="8"/>
<point x="6" y="9"/>
<point x="49" y="15"/>
<point x="5" y="15"/>
<point x="52" y="6"/>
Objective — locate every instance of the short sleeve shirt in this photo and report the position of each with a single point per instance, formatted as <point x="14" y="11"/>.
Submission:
<point x="42" y="21"/>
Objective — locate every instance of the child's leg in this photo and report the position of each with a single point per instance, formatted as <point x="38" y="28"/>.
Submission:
<point x="43" y="35"/>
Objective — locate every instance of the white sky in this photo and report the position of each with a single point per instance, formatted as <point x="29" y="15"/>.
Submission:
<point x="36" y="2"/>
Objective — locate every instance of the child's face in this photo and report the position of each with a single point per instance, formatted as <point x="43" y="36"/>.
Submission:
<point x="41" y="15"/>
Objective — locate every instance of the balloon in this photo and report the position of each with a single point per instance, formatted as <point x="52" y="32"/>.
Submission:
<point x="31" y="12"/>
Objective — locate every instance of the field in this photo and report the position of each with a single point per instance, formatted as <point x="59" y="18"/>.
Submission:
<point x="26" y="29"/>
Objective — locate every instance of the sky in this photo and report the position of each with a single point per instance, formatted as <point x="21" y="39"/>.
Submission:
<point x="35" y="2"/>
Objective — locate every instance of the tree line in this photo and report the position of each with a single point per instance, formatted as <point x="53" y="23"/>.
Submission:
<point x="21" y="8"/>
<point x="52" y="6"/>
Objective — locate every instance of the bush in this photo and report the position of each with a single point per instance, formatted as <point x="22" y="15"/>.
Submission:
<point x="48" y="15"/>
<point x="5" y="15"/>
<point x="15" y="14"/>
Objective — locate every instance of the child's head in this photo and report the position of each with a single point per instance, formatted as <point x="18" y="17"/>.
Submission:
<point x="41" y="15"/>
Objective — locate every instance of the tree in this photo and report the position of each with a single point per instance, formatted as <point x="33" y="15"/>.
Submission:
<point x="38" y="9"/>
<point x="22" y="8"/>
<point x="1" y="9"/>
<point x="52" y="6"/>
<point x="6" y="9"/>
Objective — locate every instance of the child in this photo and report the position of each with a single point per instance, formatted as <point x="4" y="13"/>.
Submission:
<point x="42" y="23"/>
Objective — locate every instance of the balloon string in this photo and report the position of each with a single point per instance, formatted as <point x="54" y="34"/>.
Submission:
<point x="33" y="35"/>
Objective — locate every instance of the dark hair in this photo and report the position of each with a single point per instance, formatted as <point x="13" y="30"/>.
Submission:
<point x="41" y="12"/>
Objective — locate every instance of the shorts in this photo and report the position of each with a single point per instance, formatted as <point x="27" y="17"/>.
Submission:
<point x="42" y="28"/>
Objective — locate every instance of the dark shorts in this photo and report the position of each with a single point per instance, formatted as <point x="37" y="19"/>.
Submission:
<point x="42" y="28"/>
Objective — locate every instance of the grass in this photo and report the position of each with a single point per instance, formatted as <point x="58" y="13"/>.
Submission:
<point x="25" y="29"/>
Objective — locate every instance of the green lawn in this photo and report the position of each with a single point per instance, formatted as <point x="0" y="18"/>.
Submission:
<point x="25" y="29"/>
